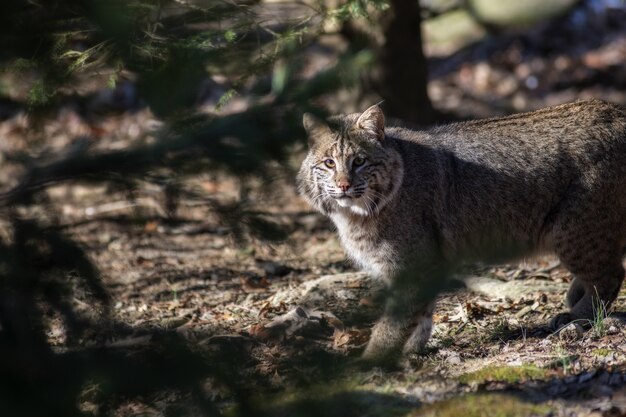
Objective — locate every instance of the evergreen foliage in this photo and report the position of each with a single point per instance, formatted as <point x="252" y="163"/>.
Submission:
<point x="168" y="47"/>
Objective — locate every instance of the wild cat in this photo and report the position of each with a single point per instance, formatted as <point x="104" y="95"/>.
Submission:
<point x="410" y="206"/>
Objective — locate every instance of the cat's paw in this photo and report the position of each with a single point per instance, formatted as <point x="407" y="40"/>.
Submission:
<point x="561" y="320"/>
<point x="386" y="341"/>
<point x="380" y="354"/>
<point x="387" y="362"/>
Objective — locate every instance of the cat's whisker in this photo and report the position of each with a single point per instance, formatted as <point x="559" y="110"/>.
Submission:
<point x="308" y="181"/>
<point x="317" y="197"/>
<point x="370" y="209"/>
<point x="375" y="206"/>
<point x="374" y="195"/>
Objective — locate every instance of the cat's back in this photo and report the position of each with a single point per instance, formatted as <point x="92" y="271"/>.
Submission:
<point x="582" y="132"/>
<point x="497" y="179"/>
<point x="588" y="116"/>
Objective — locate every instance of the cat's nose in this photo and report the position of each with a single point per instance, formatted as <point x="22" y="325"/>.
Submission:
<point x="343" y="185"/>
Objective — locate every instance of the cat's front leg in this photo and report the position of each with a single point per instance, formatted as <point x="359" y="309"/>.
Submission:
<point x="406" y="324"/>
<point x="423" y="322"/>
<point x="397" y="334"/>
<point x="388" y="336"/>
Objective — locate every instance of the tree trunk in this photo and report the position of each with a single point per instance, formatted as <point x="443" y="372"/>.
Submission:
<point x="403" y="75"/>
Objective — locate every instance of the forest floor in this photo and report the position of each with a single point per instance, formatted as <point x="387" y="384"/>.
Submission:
<point x="491" y="353"/>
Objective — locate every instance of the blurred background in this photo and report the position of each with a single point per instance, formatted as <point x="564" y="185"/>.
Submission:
<point x="148" y="218"/>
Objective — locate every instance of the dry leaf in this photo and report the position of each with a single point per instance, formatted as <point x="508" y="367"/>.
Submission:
<point x="151" y="227"/>
<point x="340" y="338"/>
<point x="277" y="379"/>
<point x="475" y="310"/>
<point x="253" y="284"/>
<point x="368" y="302"/>
<point x="350" y="339"/>
<point x="298" y="321"/>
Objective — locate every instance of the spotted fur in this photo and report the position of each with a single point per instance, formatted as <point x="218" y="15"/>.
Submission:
<point x="423" y="202"/>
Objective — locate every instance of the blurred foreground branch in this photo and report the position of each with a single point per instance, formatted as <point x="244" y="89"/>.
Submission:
<point x="168" y="49"/>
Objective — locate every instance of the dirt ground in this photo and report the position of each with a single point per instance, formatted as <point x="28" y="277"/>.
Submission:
<point x="490" y="349"/>
<point x="491" y="353"/>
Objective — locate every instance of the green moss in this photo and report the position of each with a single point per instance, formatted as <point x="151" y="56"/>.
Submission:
<point x="602" y="352"/>
<point x="482" y="405"/>
<point x="331" y="401"/>
<point x="508" y="374"/>
<point x="39" y="94"/>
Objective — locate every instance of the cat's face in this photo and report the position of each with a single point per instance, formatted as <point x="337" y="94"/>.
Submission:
<point x="349" y="167"/>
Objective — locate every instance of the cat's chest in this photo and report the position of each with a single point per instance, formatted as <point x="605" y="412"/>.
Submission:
<point x="365" y="245"/>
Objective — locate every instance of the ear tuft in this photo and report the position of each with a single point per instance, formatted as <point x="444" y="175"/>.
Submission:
<point x="309" y="121"/>
<point x="315" y="127"/>
<point x="372" y="121"/>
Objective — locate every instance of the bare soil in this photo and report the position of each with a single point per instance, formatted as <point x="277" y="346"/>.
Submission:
<point x="188" y="276"/>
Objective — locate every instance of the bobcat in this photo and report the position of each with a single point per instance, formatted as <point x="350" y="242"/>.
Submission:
<point x="411" y="206"/>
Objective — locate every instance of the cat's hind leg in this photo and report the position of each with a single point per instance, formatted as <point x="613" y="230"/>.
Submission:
<point x="595" y="260"/>
<point x="600" y="290"/>
<point x="575" y="292"/>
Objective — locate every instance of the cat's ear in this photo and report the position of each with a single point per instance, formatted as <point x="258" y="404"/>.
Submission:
<point x="315" y="128"/>
<point x="372" y="121"/>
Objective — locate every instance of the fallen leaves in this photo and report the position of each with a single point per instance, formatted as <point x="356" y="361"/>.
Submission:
<point x="302" y="324"/>
<point x="298" y="321"/>
<point x="350" y="340"/>
<point x="269" y="308"/>
<point x="254" y="284"/>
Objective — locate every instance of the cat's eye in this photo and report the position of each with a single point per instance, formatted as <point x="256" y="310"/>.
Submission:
<point x="329" y="163"/>
<point x="358" y="161"/>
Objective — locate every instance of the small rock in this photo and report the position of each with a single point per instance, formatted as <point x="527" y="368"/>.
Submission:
<point x="346" y="295"/>
<point x="451" y="357"/>
<point x="545" y="343"/>
<point x="613" y="325"/>
<point x="571" y="332"/>
<point x="454" y="360"/>
<point x="524" y="311"/>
